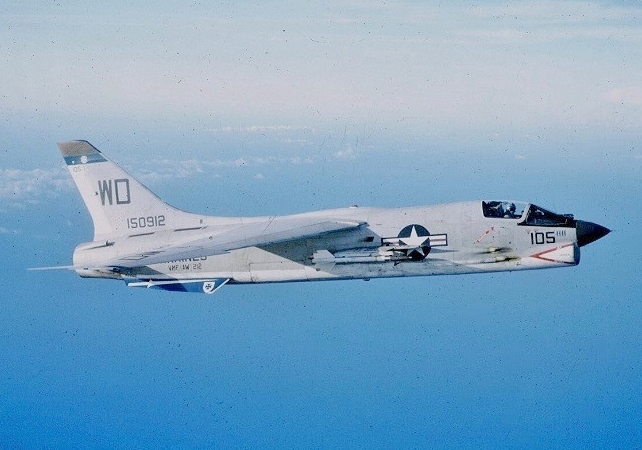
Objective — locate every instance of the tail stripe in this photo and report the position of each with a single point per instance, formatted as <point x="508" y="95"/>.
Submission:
<point x="80" y="152"/>
<point x="84" y="159"/>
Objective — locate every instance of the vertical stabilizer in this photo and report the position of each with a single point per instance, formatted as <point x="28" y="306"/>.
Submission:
<point x="118" y="204"/>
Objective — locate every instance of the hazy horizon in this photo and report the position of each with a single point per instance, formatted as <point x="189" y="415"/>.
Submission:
<point x="256" y="109"/>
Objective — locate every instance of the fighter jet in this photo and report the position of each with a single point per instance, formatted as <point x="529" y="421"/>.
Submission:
<point x="143" y="241"/>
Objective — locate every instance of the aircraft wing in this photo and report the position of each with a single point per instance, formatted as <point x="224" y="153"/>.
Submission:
<point x="273" y="231"/>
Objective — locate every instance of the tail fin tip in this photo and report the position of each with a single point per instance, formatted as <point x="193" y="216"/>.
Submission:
<point x="79" y="152"/>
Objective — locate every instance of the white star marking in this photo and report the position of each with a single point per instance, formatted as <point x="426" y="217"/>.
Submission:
<point x="413" y="240"/>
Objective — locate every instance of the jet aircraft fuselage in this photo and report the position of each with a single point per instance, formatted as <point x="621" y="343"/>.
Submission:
<point x="145" y="242"/>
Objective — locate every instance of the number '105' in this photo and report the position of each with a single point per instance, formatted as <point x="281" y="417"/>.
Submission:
<point x="538" y="238"/>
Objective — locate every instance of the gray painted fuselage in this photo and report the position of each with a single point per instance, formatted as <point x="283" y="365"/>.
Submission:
<point x="145" y="242"/>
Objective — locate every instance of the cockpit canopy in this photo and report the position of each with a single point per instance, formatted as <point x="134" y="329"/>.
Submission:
<point x="504" y="210"/>
<point x="531" y="215"/>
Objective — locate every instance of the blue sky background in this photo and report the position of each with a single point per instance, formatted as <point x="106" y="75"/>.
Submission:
<point x="277" y="107"/>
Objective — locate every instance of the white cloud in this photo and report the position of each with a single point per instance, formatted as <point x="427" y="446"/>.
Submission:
<point x="631" y="95"/>
<point x="554" y="12"/>
<point x="347" y="153"/>
<point x="295" y="160"/>
<point x="157" y="171"/>
<point x="347" y="21"/>
<point x="258" y="129"/>
<point x="4" y="230"/>
<point x="445" y="64"/>
<point x="19" y="186"/>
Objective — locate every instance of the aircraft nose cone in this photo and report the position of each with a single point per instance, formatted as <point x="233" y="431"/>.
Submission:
<point x="588" y="232"/>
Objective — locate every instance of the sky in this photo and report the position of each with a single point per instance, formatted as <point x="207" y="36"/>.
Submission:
<point x="241" y="109"/>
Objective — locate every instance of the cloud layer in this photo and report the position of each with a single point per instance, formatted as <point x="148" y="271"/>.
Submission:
<point x="27" y="186"/>
<point x="18" y="186"/>
<point x="431" y="65"/>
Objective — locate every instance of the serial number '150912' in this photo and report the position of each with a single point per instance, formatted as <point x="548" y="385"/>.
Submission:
<point x="146" y="222"/>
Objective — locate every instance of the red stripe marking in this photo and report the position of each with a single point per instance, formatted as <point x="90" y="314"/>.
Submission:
<point x="539" y="255"/>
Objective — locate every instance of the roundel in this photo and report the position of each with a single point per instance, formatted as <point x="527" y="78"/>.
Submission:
<point x="209" y="287"/>
<point x="417" y="238"/>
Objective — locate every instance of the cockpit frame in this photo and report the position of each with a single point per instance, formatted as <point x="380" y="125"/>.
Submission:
<point x="527" y="214"/>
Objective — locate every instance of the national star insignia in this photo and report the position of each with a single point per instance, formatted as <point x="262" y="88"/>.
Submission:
<point x="414" y="240"/>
